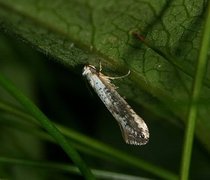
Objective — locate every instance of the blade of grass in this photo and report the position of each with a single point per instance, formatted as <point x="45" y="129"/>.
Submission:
<point x="196" y="89"/>
<point x="93" y="147"/>
<point x="67" y="168"/>
<point x="46" y="124"/>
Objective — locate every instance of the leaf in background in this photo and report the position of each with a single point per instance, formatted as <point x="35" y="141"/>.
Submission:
<point x="77" y="31"/>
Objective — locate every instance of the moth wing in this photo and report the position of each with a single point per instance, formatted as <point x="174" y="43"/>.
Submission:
<point x="131" y="137"/>
<point x="124" y="135"/>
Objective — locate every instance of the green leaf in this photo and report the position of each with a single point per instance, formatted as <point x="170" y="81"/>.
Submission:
<point x="77" y="32"/>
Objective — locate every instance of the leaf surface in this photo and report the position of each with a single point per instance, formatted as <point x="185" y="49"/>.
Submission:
<point x="162" y="63"/>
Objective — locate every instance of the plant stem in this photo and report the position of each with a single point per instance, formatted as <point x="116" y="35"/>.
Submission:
<point x="193" y="108"/>
<point x="87" y="145"/>
<point x="52" y="166"/>
<point x="50" y="127"/>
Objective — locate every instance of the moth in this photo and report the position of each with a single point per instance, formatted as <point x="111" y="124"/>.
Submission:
<point x="134" y="129"/>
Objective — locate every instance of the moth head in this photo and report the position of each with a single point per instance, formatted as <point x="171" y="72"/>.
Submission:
<point x="89" y="69"/>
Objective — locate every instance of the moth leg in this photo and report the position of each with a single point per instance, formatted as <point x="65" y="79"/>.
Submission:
<point x="119" y="77"/>
<point x="116" y="77"/>
<point x="100" y="66"/>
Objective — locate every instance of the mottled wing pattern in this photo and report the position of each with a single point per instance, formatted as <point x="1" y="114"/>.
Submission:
<point x="133" y="127"/>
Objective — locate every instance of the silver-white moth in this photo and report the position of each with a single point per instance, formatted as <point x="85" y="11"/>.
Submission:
<point x="133" y="127"/>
